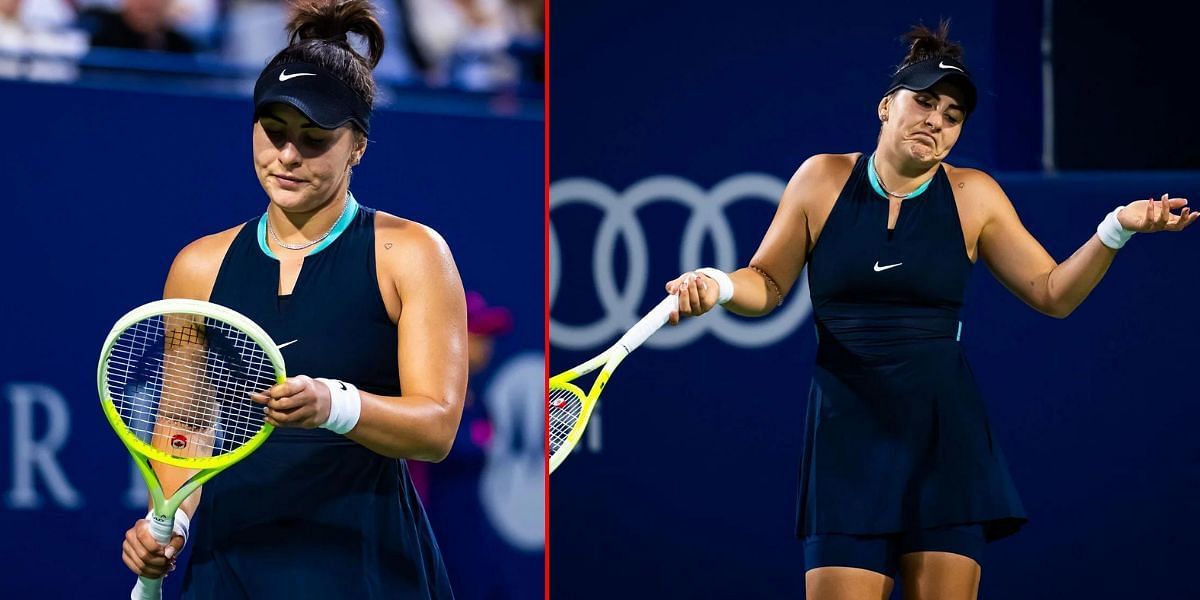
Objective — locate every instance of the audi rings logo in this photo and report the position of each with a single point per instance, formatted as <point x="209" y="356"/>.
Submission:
<point x="707" y="219"/>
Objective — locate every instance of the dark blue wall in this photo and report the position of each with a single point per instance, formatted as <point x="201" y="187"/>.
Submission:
<point x="687" y="487"/>
<point x="699" y="83"/>
<point x="1122" y="102"/>
<point x="102" y="188"/>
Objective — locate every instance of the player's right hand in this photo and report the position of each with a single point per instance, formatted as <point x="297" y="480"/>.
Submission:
<point x="697" y="295"/>
<point x="145" y="556"/>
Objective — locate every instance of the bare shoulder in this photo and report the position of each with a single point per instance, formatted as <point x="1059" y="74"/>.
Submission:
<point x="977" y="191"/>
<point x="414" y="265"/>
<point x="843" y="163"/>
<point x="971" y="181"/>
<point x="195" y="267"/>
<point x="826" y="170"/>
<point x="816" y="183"/>
<point x="408" y="247"/>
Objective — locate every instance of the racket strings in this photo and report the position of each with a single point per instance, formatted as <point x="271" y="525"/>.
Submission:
<point x="179" y="366"/>
<point x="181" y="383"/>
<point x="565" y="408"/>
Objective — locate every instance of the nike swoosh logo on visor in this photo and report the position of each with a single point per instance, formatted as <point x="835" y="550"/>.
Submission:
<point x="285" y="345"/>
<point x="946" y="66"/>
<point x="283" y="76"/>
<point x="886" y="267"/>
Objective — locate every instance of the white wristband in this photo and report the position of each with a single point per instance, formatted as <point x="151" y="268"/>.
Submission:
<point x="1111" y="233"/>
<point x="345" y="406"/>
<point x="724" y="283"/>
<point x="181" y="525"/>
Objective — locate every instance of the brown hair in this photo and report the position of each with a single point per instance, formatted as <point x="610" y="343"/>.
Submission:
<point x="925" y="43"/>
<point x="318" y="33"/>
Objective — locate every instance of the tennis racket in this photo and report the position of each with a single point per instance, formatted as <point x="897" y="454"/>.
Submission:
<point x="175" y="379"/>
<point x="569" y="407"/>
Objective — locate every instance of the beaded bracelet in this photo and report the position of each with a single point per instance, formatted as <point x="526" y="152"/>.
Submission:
<point x="774" y="286"/>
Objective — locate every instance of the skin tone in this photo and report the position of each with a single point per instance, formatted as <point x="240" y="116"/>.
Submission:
<point x="306" y="180"/>
<point x="305" y="171"/>
<point x="917" y="133"/>
<point x="10" y="9"/>
<point x="146" y="16"/>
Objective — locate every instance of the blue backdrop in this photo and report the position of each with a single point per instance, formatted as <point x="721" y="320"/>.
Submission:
<point x="670" y="143"/>
<point x="103" y="187"/>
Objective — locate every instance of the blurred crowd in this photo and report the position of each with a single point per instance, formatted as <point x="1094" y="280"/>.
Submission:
<point x="470" y="44"/>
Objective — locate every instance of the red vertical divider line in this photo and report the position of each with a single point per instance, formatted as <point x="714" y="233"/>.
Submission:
<point x="546" y="278"/>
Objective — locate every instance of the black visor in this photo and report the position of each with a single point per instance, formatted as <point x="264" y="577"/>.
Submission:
<point x="923" y="75"/>
<point x="314" y="91"/>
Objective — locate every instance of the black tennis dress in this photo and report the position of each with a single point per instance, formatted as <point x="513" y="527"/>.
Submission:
<point x="897" y="438"/>
<point x="312" y="514"/>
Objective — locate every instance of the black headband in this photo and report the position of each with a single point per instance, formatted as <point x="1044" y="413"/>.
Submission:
<point x="314" y="91"/>
<point x="924" y="74"/>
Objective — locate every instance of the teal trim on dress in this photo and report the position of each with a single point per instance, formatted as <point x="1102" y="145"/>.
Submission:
<point x="340" y="226"/>
<point x="958" y="336"/>
<point x="879" y="188"/>
<point x="342" y="223"/>
<point x="262" y="237"/>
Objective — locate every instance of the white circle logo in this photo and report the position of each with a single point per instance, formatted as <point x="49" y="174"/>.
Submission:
<point x="707" y="220"/>
<point x="512" y="485"/>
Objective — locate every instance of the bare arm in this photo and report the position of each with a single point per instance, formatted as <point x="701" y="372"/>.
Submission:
<point x="1024" y="267"/>
<point x="432" y="352"/>
<point x="431" y="349"/>
<point x="781" y="254"/>
<point x="191" y="276"/>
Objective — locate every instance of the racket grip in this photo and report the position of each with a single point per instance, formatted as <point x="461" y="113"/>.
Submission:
<point x="146" y="588"/>
<point x="650" y="323"/>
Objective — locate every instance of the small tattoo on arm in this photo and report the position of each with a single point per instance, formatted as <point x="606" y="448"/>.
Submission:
<point x="960" y="185"/>
<point x="387" y="246"/>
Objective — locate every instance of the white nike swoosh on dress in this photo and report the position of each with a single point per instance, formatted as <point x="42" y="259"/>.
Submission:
<point x="283" y="76"/>
<point x="284" y="345"/>
<point x="884" y="268"/>
<point x="946" y="66"/>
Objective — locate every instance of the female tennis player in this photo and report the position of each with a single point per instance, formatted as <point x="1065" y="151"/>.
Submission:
<point x="900" y="474"/>
<point x="370" y="314"/>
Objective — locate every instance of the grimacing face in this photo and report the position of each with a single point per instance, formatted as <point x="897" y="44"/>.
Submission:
<point x="300" y="165"/>
<point x="922" y="126"/>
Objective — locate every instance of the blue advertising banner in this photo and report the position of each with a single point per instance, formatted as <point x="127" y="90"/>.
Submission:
<point x="103" y="187"/>
<point x="670" y="150"/>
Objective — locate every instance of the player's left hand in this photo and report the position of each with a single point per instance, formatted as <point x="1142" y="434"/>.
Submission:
<point x="299" y="402"/>
<point x="1147" y="216"/>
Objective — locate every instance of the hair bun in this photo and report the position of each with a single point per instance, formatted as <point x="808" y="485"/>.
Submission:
<point x="333" y="20"/>
<point x="925" y="43"/>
